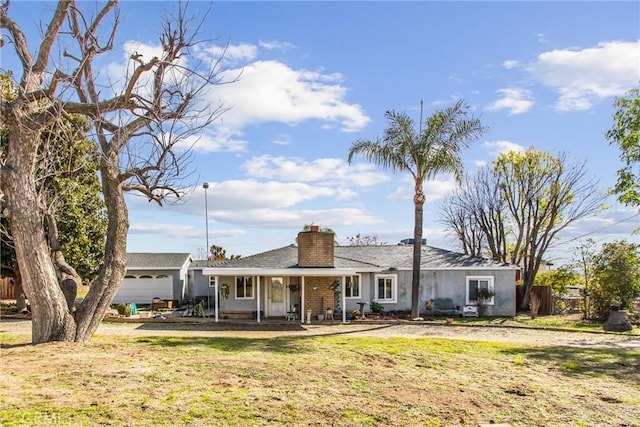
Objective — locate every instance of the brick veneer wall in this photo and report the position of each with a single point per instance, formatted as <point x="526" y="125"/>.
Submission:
<point x="315" y="249"/>
<point x="313" y="298"/>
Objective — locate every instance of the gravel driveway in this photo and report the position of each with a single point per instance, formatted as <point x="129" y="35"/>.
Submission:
<point x="525" y="335"/>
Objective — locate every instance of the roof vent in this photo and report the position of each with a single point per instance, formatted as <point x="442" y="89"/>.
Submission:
<point x="410" y="242"/>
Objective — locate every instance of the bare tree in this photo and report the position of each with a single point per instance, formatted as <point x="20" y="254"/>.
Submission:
<point x="463" y="226"/>
<point x="141" y="125"/>
<point x="476" y="213"/>
<point x="523" y="201"/>
<point x="365" y="240"/>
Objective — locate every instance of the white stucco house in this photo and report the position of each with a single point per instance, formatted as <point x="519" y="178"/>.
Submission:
<point x="318" y="276"/>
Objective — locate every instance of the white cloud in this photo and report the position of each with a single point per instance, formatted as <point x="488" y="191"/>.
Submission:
<point x="270" y="91"/>
<point x="330" y="171"/>
<point x="498" y="147"/>
<point x="118" y="73"/>
<point x="257" y="91"/>
<point x="282" y="139"/>
<point x="516" y="100"/>
<point x="213" y="143"/>
<point x="179" y="231"/>
<point x="169" y="230"/>
<point x="276" y="45"/>
<point x="451" y="100"/>
<point x="585" y="76"/>
<point x="285" y="218"/>
<point x="239" y="195"/>
<point x="231" y="54"/>
<point x="510" y="63"/>
<point x="433" y="189"/>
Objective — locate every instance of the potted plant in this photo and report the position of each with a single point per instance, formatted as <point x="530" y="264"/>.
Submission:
<point x="224" y="291"/>
<point x="484" y="296"/>
<point x="294" y="287"/>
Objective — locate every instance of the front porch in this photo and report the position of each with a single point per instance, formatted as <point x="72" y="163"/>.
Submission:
<point x="278" y="295"/>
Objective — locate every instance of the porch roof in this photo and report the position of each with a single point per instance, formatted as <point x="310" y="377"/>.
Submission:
<point x="284" y="262"/>
<point x="315" y="272"/>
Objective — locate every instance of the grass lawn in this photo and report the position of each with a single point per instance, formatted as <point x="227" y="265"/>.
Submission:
<point x="328" y="380"/>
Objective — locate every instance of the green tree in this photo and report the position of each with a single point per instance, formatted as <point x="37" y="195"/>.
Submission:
<point x="559" y="280"/>
<point x="218" y="253"/>
<point x="434" y="148"/>
<point x="626" y="134"/>
<point x="616" y="271"/>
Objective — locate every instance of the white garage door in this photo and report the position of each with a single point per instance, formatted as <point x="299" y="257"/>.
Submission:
<point x="143" y="289"/>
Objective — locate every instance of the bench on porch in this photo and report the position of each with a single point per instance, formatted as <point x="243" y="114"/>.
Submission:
<point x="444" y="307"/>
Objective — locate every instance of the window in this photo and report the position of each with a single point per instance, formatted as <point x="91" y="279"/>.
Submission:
<point x="244" y="287"/>
<point x="386" y="288"/>
<point x="352" y="290"/>
<point x="212" y="281"/>
<point x="474" y="284"/>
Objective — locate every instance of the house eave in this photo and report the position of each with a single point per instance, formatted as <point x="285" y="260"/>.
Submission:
<point x="308" y="271"/>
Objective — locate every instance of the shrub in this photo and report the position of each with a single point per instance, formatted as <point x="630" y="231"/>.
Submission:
<point x="122" y="307"/>
<point x="376" y="307"/>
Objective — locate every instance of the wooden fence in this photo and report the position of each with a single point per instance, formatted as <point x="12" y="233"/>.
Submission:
<point x="545" y="294"/>
<point x="7" y="291"/>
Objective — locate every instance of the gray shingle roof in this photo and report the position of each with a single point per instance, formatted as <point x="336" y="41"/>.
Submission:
<point x="156" y="261"/>
<point x="368" y="257"/>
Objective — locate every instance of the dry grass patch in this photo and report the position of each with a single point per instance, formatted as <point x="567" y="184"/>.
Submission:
<point x="336" y="380"/>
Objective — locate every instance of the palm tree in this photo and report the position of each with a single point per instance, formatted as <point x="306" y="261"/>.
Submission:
<point x="435" y="148"/>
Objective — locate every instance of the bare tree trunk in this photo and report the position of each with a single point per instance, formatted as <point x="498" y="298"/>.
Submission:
<point x="91" y="311"/>
<point x="21" y="301"/>
<point x="51" y="319"/>
<point x="67" y="275"/>
<point x="417" y="251"/>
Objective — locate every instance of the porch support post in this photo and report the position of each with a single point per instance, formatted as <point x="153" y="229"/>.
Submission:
<point x="343" y="295"/>
<point x="302" y="298"/>
<point x="217" y="298"/>
<point x="258" y="298"/>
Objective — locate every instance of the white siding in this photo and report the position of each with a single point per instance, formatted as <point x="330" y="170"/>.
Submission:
<point x="142" y="290"/>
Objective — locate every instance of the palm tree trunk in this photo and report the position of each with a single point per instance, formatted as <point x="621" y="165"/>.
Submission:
<point x="418" y="201"/>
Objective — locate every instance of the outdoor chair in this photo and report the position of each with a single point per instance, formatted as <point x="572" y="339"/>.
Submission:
<point x="291" y="315"/>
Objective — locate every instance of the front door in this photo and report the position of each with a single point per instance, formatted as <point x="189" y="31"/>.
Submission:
<point x="277" y="297"/>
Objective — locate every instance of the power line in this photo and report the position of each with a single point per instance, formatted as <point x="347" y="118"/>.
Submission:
<point x="595" y="231"/>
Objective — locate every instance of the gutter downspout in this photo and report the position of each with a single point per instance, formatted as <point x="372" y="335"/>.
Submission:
<point x="258" y="298"/>
<point x="343" y="290"/>
<point x="302" y="298"/>
<point x="217" y="300"/>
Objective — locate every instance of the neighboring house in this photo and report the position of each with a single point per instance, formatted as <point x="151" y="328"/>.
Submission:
<point x="154" y="275"/>
<point x="316" y="276"/>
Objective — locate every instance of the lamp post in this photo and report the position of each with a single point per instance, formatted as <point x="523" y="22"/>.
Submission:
<point x="206" y="219"/>
<point x="206" y="228"/>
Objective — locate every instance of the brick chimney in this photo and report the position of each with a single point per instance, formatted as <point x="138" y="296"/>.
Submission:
<point x="315" y="249"/>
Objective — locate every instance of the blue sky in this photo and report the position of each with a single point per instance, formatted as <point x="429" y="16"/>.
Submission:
<point x="316" y="76"/>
